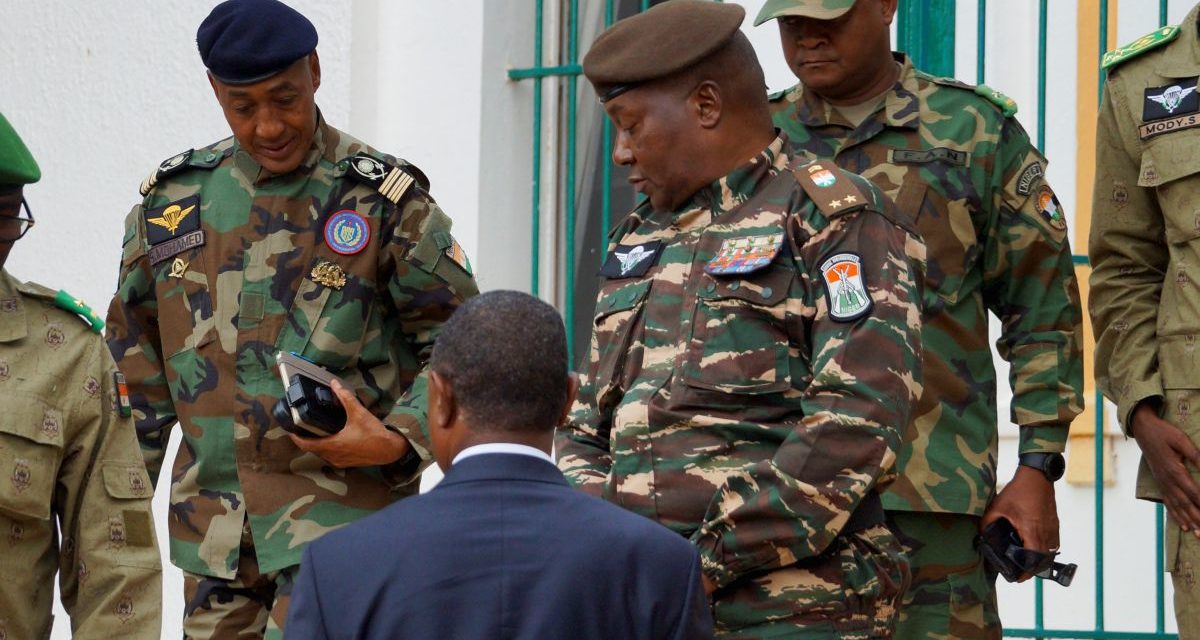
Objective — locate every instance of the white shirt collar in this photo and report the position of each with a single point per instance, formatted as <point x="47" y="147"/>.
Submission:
<point x="501" y="447"/>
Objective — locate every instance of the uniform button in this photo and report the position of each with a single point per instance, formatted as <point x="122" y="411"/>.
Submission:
<point x="767" y="291"/>
<point x="210" y="157"/>
<point x="735" y="285"/>
<point x="711" y="287"/>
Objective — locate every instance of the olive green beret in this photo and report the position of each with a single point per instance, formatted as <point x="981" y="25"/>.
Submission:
<point x="17" y="166"/>
<point x="658" y="42"/>
<point x="819" y="9"/>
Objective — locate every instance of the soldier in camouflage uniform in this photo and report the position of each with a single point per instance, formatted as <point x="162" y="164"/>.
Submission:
<point x="291" y="236"/>
<point x="756" y="340"/>
<point x="953" y="156"/>
<point x="69" y="459"/>
<point x="1143" y="302"/>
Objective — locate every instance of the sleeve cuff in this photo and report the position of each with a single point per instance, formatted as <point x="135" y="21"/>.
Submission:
<point x="409" y="468"/>
<point x="1044" y="438"/>
<point x="1135" y="395"/>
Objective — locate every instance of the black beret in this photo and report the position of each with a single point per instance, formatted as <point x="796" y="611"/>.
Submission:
<point x="245" y="41"/>
<point x="658" y="42"/>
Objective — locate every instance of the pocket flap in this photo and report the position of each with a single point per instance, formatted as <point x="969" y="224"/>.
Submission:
<point x="761" y="288"/>
<point x="623" y="299"/>
<point x="35" y="420"/>
<point x="126" y="480"/>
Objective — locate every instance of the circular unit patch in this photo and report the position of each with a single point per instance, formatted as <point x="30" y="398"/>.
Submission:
<point x="347" y="232"/>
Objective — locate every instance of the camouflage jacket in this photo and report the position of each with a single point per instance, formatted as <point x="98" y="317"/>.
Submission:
<point x="1144" y="304"/>
<point x="69" y="462"/>
<point x="952" y="156"/>
<point x="724" y="396"/>
<point x="344" y="261"/>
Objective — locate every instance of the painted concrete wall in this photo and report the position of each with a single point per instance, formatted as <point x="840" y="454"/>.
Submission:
<point x="102" y="92"/>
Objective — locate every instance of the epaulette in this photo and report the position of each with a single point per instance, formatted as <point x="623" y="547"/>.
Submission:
<point x="391" y="180"/>
<point x="179" y="162"/>
<point x="65" y="301"/>
<point x="830" y="188"/>
<point x="1007" y="105"/>
<point x="1151" y="40"/>
<point x="772" y="97"/>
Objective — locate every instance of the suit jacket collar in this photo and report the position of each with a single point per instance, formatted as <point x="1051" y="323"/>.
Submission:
<point x="503" y="466"/>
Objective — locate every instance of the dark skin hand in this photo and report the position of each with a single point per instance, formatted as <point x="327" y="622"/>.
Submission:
<point x="1028" y="503"/>
<point x="1168" y="450"/>
<point x="364" y="442"/>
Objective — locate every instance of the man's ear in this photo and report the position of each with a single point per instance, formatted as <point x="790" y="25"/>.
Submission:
<point x="441" y="403"/>
<point x="889" y="11"/>
<point x="706" y="104"/>
<point x="572" y="392"/>
<point x="314" y="69"/>
<point x="213" y="83"/>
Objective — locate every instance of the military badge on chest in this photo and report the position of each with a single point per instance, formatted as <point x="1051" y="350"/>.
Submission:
<point x="173" y="229"/>
<point x="347" y="232"/>
<point x="744" y="255"/>
<point x="631" y="261"/>
<point x="1170" y="108"/>
<point x="845" y="287"/>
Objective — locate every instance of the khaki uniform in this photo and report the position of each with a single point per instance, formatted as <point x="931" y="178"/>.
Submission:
<point x="1145" y="252"/>
<point x="69" y="462"/>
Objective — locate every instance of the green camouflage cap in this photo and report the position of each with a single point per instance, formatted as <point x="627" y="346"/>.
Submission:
<point x="819" y="9"/>
<point x="17" y="166"/>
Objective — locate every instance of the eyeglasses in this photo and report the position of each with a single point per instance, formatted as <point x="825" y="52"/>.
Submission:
<point x="9" y="233"/>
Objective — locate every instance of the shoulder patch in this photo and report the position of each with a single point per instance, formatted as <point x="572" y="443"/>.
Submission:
<point x="190" y="159"/>
<point x="391" y="180"/>
<point x="830" y="188"/>
<point x="1150" y="41"/>
<point x="1007" y="105"/>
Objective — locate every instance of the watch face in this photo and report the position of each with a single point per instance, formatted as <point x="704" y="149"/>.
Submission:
<point x="1054" y="466"/>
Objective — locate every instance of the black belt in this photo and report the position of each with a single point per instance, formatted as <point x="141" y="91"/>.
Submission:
<point x="868" y="514"/>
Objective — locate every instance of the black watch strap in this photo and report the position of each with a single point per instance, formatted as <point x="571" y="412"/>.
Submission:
<point x="1052" y="465"/>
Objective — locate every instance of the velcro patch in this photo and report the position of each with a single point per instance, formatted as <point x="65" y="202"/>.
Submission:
<point x="138" y="532"/>
<point x="172" y="220"/>
<point x="937" y="154"/>
<point x="631" y="261"/>
<point x="846" y="287"/>
<point x="176" y="246"/>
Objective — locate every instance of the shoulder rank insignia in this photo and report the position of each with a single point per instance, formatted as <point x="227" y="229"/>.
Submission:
<point x="391" y="181"/>
<point x="829" y="188"/>
<point x="1007" y="105"/>
<point x="745" y="254"/>
<point x="68" y="302"/>
<point x="179" y="162"/>
<point x="1151" y="40"/>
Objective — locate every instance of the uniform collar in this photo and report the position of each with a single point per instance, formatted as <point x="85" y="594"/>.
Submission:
<point x="1183" y="62"/>
<point x="13" y="326"/>
<point x="901" y="107"/>
<point x="735" y="188"/>
<point x="324" y="141"/>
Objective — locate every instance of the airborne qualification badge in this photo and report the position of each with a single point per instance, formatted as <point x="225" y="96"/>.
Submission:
<point x="631" y="261"/>
<point x="845" y="288"/>
<point x="347" y="232"/>
<point x="744" y="255"/>
<point x="172" y="220"/>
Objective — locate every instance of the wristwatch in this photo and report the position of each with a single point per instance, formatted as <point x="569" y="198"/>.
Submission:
<point x="1052" y="465"/>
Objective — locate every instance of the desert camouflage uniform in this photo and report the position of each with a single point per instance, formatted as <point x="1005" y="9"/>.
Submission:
<point x="224" y="265"/>
<point x="69" y="462"/>
<point x="953" y="156"/>
<point x="734" y="409"/>
<point x="1144" y="303"/>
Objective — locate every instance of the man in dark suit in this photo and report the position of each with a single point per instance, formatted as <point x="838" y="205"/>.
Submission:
<point x="503" y="547"/>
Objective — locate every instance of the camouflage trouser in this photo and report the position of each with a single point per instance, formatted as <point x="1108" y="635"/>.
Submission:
<point x="252" y="605"/>
<point x="849" y="592"/>
<point x="952" y="595"/>
<point x="1183" y="561"/>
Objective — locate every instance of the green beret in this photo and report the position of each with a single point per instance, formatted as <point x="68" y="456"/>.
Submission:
<point x="818" y="9"/>
<point x="663" y="40"/>
<point x="17" y="166"/>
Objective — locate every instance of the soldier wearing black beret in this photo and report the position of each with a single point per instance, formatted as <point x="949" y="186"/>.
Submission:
<point x="756" y="339"/>
<point x="289" y="236"/>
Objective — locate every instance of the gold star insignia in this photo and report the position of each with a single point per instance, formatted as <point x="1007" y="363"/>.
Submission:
<point x="835" y="204"/>
<point x="851" y="199"/>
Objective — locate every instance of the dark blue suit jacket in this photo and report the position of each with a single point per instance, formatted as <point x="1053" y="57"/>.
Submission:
<point x="502" y="548"/>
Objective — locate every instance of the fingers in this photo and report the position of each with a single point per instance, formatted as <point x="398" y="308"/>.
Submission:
<point x="301" y="443"/>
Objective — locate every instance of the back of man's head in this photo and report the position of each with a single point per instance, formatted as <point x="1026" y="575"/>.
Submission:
<point x="504" y="354"/>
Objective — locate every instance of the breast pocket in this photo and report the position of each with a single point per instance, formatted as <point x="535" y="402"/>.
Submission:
<point x="1171" y="164"/>
<point x="185" y="308"/>
<point x="30" y="454"/>
<point x="330" y="317"/>
<point x="618" y="316"/>
<point x="739" y="339"/>
<point x="949" y="233"/>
